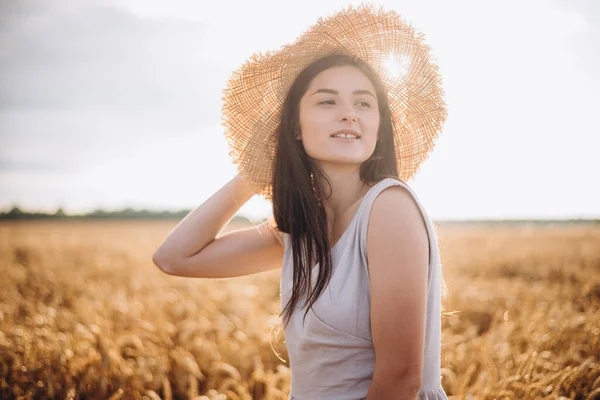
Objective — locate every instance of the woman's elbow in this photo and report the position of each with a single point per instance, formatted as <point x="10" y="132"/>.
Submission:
<point x="163" y="263"/>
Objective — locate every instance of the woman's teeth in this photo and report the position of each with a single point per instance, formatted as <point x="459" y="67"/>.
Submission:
<point x="344" y="136"/>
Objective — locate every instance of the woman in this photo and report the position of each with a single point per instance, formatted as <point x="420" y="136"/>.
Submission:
<point x="329" y="130"/>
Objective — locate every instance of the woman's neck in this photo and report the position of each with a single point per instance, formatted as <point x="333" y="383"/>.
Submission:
<point x="347" y="189"/>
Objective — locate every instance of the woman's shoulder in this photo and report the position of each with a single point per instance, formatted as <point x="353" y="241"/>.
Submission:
<point x="394" y="198"/>
<point x="401" y="188"/>
<point x="389" y="179"/>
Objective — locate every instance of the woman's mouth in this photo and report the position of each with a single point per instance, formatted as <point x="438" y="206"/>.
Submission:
<point x="346" y="139"/>
<point x="346" y="136"/>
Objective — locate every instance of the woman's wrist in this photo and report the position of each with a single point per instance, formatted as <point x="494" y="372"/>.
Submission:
<point x="243" y="190"/>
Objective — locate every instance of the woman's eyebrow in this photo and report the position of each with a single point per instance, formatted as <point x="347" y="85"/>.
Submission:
<point x="333" y="91"/>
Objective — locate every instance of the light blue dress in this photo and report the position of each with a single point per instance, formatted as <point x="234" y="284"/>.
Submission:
<point x="332" y="355"/>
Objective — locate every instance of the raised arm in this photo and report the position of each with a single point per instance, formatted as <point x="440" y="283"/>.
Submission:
<point x="193" y="249"/>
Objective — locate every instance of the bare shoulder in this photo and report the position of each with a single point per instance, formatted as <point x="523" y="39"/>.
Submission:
<point x="396" y="204"/>
<point x="396" y="222"/>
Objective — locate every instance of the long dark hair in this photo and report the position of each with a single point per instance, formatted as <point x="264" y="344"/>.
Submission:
<point x="297" y="204"/>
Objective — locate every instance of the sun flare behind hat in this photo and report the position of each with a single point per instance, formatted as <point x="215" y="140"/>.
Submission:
<point x="255" y="92"/>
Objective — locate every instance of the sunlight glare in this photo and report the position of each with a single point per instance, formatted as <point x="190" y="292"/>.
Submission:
<point x="396" y="66"/>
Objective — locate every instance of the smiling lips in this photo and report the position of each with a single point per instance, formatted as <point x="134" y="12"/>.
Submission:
<point x="346" y="134"/>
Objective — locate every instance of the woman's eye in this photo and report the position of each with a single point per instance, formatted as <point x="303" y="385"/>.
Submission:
<point x="326" y="102"/>
<point x="362" y="103"/>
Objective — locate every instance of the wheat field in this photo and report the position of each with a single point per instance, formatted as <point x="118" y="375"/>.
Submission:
<point x="85" y="314"/>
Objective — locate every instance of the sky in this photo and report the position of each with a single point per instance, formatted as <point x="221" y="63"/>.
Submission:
<point x="111" y="104"/>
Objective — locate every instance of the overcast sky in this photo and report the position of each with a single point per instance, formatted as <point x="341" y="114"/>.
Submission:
<point x="117" y="103"/>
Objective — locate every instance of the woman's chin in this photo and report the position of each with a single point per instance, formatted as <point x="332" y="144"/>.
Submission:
<point x="341" y="159"/>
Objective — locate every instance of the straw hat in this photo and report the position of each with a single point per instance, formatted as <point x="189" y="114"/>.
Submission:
<point x="255" y="92"/>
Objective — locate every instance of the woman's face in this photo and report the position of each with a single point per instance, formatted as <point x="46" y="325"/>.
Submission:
<point x="339" y="98"/>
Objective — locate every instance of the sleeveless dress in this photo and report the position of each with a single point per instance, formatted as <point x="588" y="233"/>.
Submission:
<point x="332" y="355"/>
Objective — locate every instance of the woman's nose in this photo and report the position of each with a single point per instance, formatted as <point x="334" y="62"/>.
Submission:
<point x="348" y="116"/>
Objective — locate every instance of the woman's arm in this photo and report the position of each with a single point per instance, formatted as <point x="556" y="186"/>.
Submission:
<point x="398" y="253"/>
<point x="192" y="248"/>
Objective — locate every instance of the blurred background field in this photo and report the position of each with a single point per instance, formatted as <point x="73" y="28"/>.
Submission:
<point x="84" y="313"/>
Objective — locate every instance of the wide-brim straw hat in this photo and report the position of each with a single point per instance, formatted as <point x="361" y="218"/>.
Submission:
<point x="255" y="92"/>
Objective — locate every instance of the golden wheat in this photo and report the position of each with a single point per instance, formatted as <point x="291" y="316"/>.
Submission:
<point x="85" y="313"/>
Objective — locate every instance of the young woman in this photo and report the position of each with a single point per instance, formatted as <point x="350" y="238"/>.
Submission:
<point x="329" y="128"/>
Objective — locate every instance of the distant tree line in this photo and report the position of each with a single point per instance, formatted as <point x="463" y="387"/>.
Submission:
<point x="127" y="213"/>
